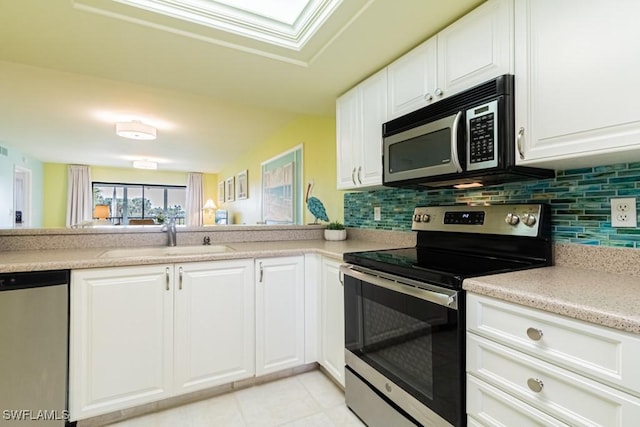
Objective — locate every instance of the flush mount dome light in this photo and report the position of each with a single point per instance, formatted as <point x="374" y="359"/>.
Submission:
<point x="144" y="164"/>
<point x="135" y="130"/>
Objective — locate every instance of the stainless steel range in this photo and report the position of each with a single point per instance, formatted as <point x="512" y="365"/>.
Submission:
<point x="405" y="309"/>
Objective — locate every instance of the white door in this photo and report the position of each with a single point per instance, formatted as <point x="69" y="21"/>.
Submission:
<point x="121" y="338"/>
<point x="373" y="93"/>
<point x="348" y="130"/>
<point x="476" y="48"/>
<point x="577" y="85"/>
<point x="279" y="313"/>
<point x="21" y="197"/>
<point x="332" y="320"/>
<point x="412" y="80"/>
<point x="214" y="324"/>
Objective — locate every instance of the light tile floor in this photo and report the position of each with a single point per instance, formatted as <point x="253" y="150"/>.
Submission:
<point x="306" y="400"/>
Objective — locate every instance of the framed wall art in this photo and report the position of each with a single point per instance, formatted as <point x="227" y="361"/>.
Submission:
<point x="230" y="189"/>
<point x="242" y="185"/>
<point x="281" y="188"/>
<point x="221" y="198"/>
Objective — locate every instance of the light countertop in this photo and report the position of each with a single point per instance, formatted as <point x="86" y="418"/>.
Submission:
<point x="604" y="298"/>
<point x="55" y="259"/>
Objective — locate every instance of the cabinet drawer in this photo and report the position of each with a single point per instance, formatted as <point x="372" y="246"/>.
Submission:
<point x="563" y="394"/>
<point x="595" y="351"/>
<point x="489" y="406"/>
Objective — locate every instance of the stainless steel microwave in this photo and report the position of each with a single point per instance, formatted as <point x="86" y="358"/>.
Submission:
<point x="467" y="139"/>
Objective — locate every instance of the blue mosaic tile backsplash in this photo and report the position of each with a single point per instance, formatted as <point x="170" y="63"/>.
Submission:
<point x="579" y="200"/>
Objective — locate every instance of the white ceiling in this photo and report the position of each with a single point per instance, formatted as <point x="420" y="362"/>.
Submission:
<point x="69" y="69"/>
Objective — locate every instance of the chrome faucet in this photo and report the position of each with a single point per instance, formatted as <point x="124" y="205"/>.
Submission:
<point x="170" y="228"/>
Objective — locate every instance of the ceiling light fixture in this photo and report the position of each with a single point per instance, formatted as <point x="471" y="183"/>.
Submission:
<point x="135" y="130"/>
<point x="144" y="164"/>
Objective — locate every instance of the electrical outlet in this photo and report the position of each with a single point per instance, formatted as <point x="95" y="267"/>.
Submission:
<point x="623" y="212"/>
<point x="377" y="213"/>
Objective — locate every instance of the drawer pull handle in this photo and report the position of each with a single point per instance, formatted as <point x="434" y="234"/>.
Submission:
<point x="535" y="384"/>
<point x="534" y="334"/>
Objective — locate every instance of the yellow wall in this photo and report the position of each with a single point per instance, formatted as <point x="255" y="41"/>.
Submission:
<point x="317" y="135"/>
<point x="54" y="195"/>
<point x="55" y="186"/>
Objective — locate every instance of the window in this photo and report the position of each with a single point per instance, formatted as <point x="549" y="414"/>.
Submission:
<point x="140" y="201"/>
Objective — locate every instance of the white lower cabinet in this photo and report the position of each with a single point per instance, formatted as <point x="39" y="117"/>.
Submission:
<point x="214" y="324"/>
<point x="279" y="313"/>
<point x="332" y="320"/>
<point x="528" y="367"/>
<point x="141" y="334"/>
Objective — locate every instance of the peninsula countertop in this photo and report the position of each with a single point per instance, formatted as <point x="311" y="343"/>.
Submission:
<point x="56" y="259"/>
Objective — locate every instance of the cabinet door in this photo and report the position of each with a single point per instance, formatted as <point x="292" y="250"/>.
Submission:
<point x="489" y="406"/>
<point x="565" y="395"/>
<point x="279" y="313"/>
<point x="412" y="80"/>
<point x="476" y="48"/>
<point x="332" y="320"/>
<point x="577" y="88"/>
<point x="373" y="93"/>
<point x="121" y="338"/>
<point x="214" y="323"/>
<point x="348" y="130"/>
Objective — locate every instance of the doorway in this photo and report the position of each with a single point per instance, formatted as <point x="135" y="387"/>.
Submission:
<point x="21" y="197"/>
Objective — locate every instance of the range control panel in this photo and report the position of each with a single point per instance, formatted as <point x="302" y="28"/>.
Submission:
<point x="518" y="220"/>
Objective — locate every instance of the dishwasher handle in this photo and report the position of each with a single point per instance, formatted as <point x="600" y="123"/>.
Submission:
<point x="33" y="279"/>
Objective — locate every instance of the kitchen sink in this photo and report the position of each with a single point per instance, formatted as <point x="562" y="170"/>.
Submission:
<point x="165" y="251"/>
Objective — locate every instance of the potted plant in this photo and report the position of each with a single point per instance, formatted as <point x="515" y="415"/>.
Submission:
<point x="335" y="231"/>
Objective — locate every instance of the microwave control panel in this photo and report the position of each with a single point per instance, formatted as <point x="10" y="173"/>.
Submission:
<point x="482" y="136"/>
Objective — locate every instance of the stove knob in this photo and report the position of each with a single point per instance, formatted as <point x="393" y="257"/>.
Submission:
<point x="512" y="219"/>
<point x="529" y="219"/>
<point x="425" y="218"/>
<point x="416" y="218"/>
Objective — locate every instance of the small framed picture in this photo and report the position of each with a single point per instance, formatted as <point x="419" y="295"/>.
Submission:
<point x="230" y="189"/>
<point x="242" y="185"/>
<point x="221" y="198"/>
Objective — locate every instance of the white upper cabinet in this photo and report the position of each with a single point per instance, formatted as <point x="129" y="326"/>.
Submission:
<point x="474" y="49"/>
<point x="577" y="85"/>
<point x="360" y="114"/>
<point x="412" y="79"/>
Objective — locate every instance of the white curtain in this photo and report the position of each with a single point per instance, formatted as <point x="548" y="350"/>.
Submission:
<point x="195" y="195"/>
<point x="79" y="195"/>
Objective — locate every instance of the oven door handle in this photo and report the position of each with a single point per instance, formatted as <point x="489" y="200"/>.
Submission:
<point x="443" y="299"/>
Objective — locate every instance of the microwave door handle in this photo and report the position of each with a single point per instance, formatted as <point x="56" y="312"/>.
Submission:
<point x="454" y="141"/>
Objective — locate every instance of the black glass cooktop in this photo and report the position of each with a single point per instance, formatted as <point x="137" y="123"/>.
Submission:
<point x="430" y="265"/>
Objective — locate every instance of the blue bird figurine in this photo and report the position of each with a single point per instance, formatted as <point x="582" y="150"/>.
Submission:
<point x="315" y="206"/>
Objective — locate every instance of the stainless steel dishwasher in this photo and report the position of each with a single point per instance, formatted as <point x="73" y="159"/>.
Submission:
<point x="34" y="330"/>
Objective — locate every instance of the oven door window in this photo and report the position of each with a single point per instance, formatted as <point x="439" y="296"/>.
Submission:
<point x="414" y="343"/>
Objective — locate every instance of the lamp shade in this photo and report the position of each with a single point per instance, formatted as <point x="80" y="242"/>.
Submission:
<point x="101" y="212"/>
<point x="135" y="130"/>
<point x="209" y="204"/>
